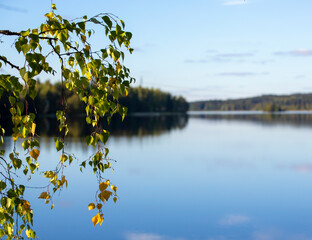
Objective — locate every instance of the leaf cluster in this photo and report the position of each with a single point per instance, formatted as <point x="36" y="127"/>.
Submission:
<point x="96" y="77"/>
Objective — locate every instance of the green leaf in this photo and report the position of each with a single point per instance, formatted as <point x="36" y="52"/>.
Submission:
<point x="70" y="159"/>
<point x="34" y="143"/>
<point x="89" y="140"/>
<point x="59" y="115"/>
<point x="2" y="185"/>
<point x="58" y="144"/>
<point x="88" y="120"/>
<point x="82" y="26"/>
<point x="25" y="48"/>
<point x="25" y="144"/>
<point x="62" y="36"/>
<point x="12" y="100"/>
<point x="25" y="33"/>
<point x="122" y="23"/>
<point x="30" y="233"/>
<point x="106" y="152"/>
<point x="128" y="35"/>
<point x="94" y="20"/>
<point x="17" y="163"/>
<point x="108" y="22"/>
<point x="1" y="233"/>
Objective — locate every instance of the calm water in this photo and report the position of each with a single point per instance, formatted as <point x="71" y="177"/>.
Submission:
<point x="212" y="177"/>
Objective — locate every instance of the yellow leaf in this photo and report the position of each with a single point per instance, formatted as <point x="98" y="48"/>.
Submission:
<point x="28" y="233"/>
<point x="115" y="199"/>
<point x="114" y="188"/>
<point x="101" y="219"/>
<point x="63" y="158"/>
<point x="91" y="206"/>
<point x="99" y="206"/>
<point x="49" y="15"/>
<point x="96" y="219"/>
<point x="103" y="186"/>
<point x="63" y="179"/>
<point x="52" y="206"/>
<point x="33" y="129"/>
<point x="118" y="67"/>
<point x="34" y="153"/>
<point x="15" y="136"/>
<point x="88" y="75"/>
<point x="45" y="28"/>
<point x="107" y="182"/>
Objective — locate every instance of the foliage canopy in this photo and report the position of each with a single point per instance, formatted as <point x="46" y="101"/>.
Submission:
<point x="97" y="77"/>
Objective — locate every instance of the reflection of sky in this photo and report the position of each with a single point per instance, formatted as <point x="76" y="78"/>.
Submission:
<point x="212" y="180"/>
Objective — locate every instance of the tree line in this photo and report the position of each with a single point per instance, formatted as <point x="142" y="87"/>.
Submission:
<point x="269" y="103"/>
<point x="139" y="99"/>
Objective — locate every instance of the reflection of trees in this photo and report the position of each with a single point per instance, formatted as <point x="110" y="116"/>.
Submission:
<point x="148" y="125"/>
<point x="266" y="119"/>
<point x="139" y="125"/>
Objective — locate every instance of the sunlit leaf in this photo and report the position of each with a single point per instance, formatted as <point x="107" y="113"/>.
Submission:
<point x="96" y="219"/>
<point x="91" y="206"/>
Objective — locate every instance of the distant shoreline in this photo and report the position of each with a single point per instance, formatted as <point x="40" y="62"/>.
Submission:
<point x="267" y="103"/>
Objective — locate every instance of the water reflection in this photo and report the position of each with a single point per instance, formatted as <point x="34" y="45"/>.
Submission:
<point x="280" y="118"/>
<point x="218" y="178"/>
<point x="133" y="125"/>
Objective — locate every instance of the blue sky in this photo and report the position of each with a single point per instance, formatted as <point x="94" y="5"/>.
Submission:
<point x="200" y="49"/>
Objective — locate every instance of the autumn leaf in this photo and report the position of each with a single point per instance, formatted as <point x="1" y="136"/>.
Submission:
<point x="44" y="195"/>
<point x="105" y="195"/>
<point x="34" y="153"/>
<point x="96" y="219"/>
<point x="101" y="219"/>
<point x="103" y="186"/>
<point x="26" y="206"/>
<point x="33" y="129"/>
<point x="114" y="188"/>
<point x="91" y="206"/>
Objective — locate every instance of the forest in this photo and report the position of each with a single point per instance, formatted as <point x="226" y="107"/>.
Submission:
<point x="139" y="99"/>
<point x="269" y="103"/>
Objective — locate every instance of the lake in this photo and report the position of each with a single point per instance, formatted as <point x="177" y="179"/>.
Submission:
<point x="211" y="176"/>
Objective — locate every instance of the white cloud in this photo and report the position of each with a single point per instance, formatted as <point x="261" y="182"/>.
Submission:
<point x="239" y="2"/>
<point x="301" y="168"/>
<point x="143" y="236"/>
<point x="232" y="220"/>
<point x="299" y="52"/>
